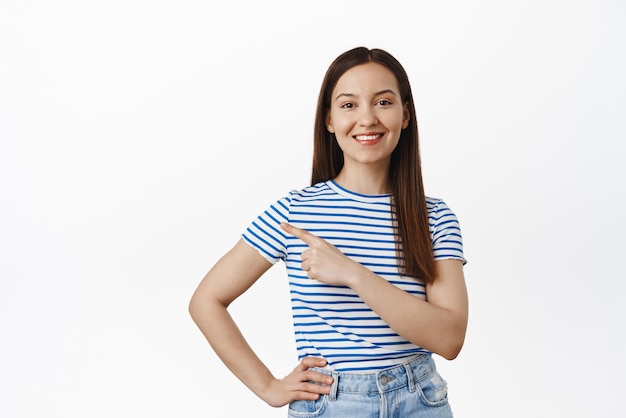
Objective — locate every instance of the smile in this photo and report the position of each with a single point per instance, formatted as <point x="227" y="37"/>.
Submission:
<point x="372" y="137"/>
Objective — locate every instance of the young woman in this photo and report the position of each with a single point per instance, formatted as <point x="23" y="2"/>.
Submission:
<point x="375" y="267"/>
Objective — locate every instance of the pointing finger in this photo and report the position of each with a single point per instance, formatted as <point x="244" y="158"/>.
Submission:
<point x="304" y="235"/>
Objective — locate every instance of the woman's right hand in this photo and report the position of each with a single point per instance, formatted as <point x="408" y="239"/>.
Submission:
<point x="300" y="384"/>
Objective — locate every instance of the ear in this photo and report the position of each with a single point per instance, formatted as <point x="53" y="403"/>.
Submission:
<point x="406" y="116"/>
<point x="329" y="124"/>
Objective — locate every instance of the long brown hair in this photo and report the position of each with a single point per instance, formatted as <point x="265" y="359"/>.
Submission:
<point x="405" y="172"/>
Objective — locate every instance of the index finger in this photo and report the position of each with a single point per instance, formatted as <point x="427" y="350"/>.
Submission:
<point x="304" y="235"/>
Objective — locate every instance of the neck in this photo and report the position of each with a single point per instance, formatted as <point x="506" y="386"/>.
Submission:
<point x="367" y="182"/>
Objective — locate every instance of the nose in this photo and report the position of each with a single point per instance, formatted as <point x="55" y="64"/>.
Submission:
<point x="367" y="116"/>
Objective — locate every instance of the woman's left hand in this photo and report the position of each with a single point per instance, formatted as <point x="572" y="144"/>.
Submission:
<point x="322" y="261"/>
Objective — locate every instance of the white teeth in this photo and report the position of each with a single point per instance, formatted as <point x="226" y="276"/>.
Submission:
<point x="367" y="137"/>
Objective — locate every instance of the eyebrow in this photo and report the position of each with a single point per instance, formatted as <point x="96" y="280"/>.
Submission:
<point x="378" y="93"/>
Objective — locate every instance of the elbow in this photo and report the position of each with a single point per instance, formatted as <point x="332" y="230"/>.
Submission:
<point x="202" y="306"/>
<point x="448" y="347"/>
<point x="455" y="338"/>
<point x="452" y="351"/>
<point x="195" y="308"/>
<point x="452" y="345"/>
<point x="192" y="308"/>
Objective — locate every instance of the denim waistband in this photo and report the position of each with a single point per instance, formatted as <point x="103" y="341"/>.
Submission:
<point x="402" y="375"/>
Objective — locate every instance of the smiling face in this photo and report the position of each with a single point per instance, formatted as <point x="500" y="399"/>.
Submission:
<point x="367" y="116"/>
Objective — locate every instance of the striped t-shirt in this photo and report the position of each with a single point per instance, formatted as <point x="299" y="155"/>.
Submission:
<point x="332" y="321"/>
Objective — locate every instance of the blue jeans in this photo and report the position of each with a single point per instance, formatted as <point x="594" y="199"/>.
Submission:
<point x="411" y="389"/>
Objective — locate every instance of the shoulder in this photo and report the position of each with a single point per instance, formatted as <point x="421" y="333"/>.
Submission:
<point x="445" y="230"/>
<point x="296" y="196"/>
<point x="312" y="192"/>
<point x="440" y="217"/>
<point x="437" y="207"/>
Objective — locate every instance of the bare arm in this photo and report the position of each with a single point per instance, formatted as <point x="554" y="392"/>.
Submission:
<point x="438" y="324"/>
<point x="231" y="276"/>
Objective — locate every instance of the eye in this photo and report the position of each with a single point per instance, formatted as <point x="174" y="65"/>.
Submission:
<point x="384" y="102"/>
<point x="348" y="105"/>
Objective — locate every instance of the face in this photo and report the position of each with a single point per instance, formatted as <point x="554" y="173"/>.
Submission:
<point x="367" y="115"/>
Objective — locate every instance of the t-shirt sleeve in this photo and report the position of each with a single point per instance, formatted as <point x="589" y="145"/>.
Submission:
<point x="264" y="233"/>
<point x="445" y="232"/>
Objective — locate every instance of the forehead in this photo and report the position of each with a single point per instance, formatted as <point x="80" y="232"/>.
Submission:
<point x="366" y="78"/>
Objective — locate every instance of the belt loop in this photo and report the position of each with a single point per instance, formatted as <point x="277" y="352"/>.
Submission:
<point x="334" y="387"/>
<point x="409" y="376"/>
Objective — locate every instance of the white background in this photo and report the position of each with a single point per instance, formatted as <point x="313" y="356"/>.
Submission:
<point x="139" y="138"/>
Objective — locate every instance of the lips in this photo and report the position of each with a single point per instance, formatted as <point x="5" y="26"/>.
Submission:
<point x="368" y="137"/>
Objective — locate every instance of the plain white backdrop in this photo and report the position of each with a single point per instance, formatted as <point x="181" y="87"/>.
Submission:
<point x="139" y="138"/>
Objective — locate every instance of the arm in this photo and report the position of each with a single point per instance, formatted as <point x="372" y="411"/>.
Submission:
<point x="438" y="324"/>
<point x="231" y="276"/>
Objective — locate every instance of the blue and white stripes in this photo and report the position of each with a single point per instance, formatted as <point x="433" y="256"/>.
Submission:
<point x="330" y="321"/>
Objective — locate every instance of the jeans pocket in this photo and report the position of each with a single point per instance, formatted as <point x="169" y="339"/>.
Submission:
<point x="308" y="409"/>
<point x="433" y="389"/>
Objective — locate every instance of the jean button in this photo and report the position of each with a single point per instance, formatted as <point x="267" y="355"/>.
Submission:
<point x="384" y="379"/>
